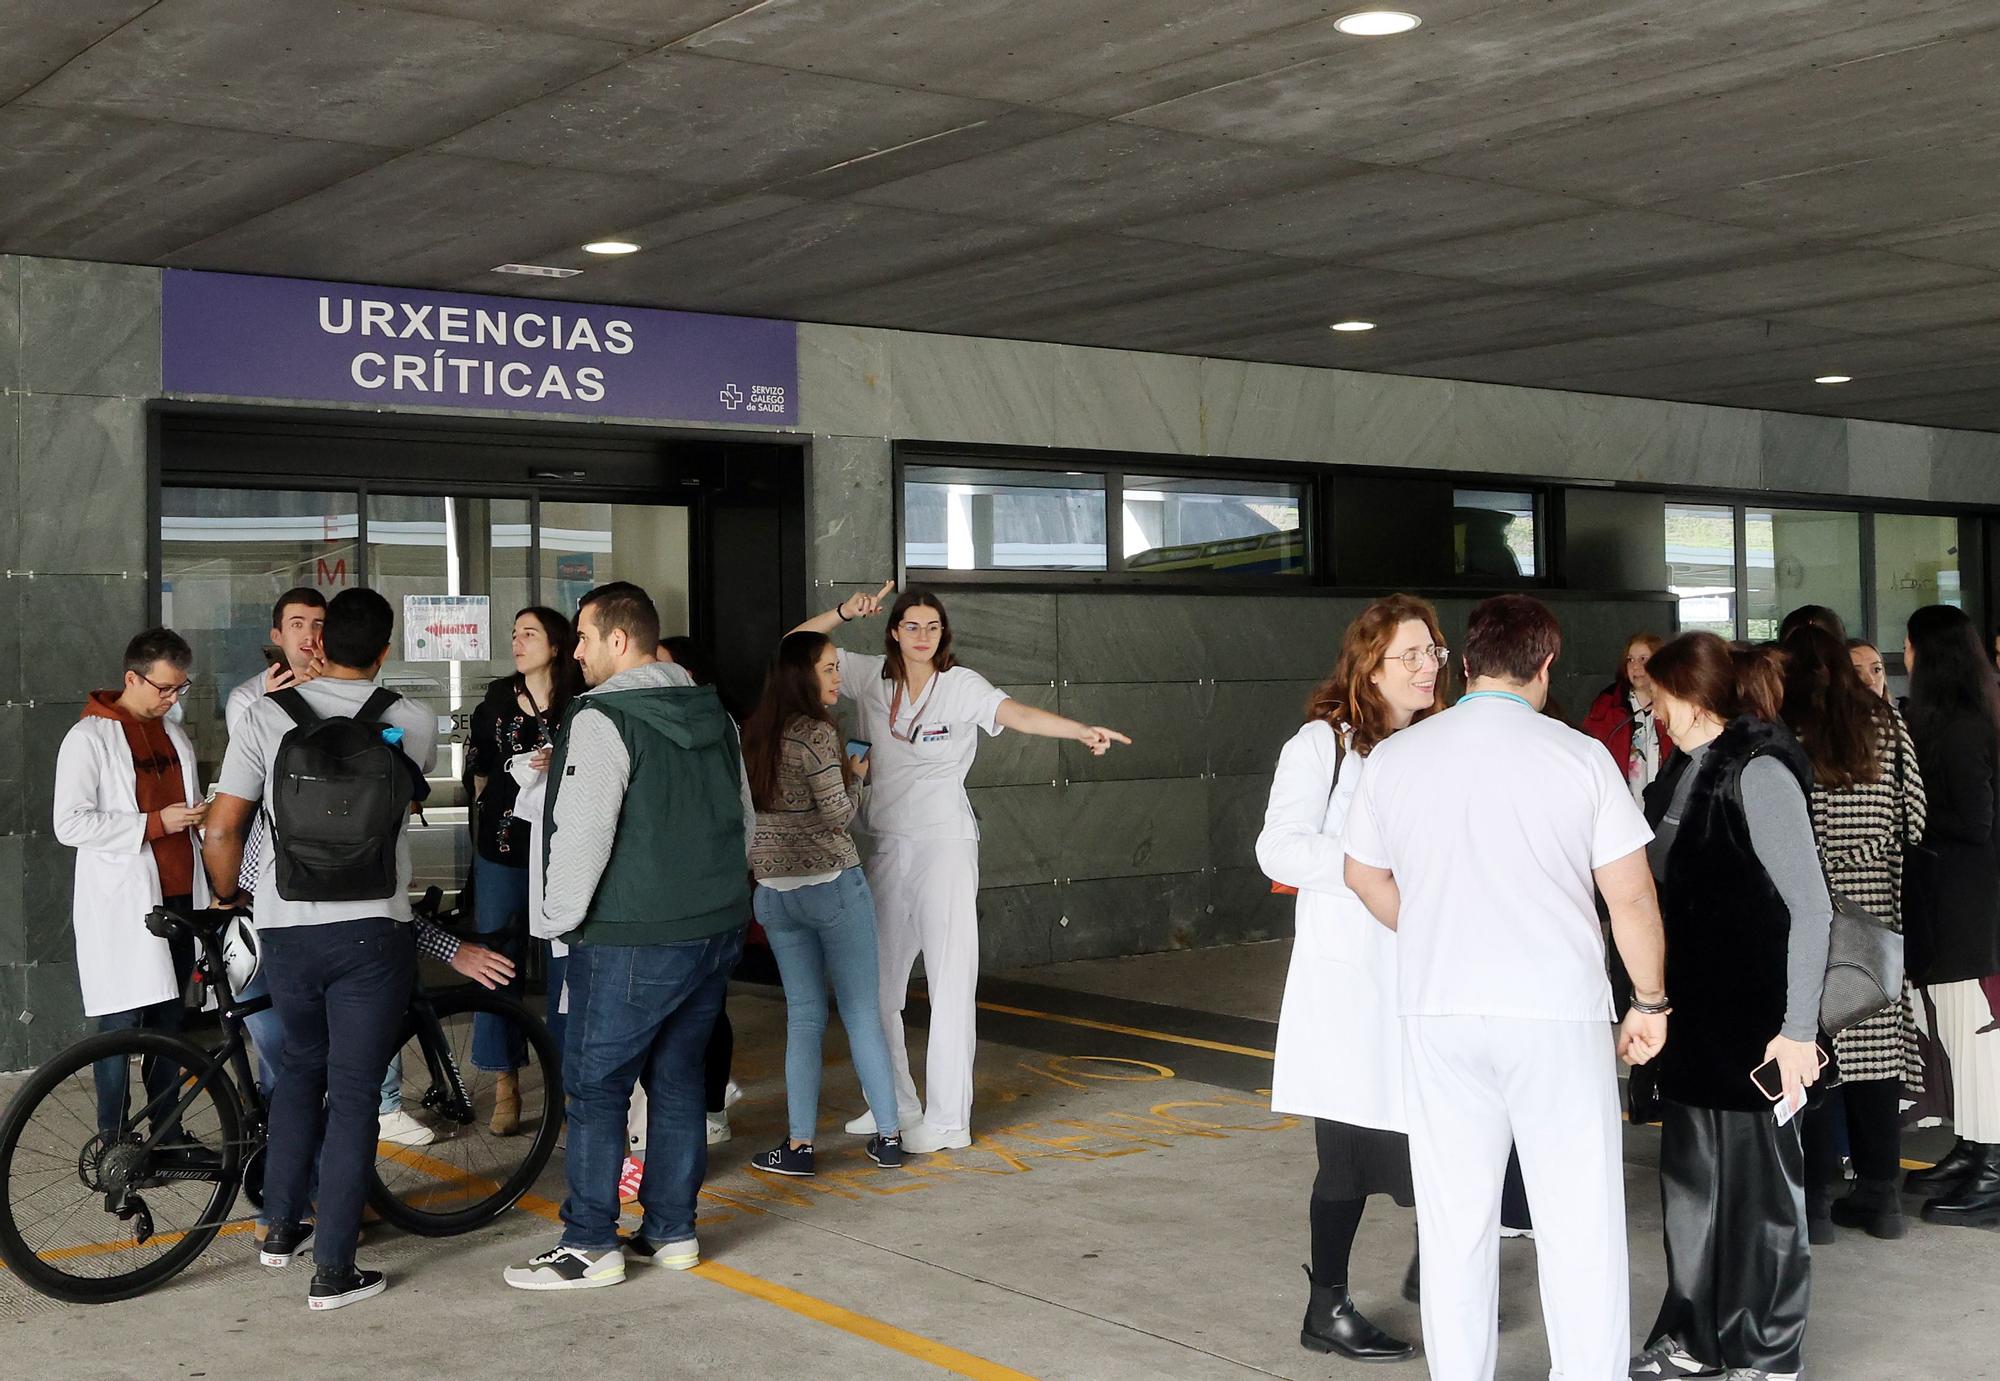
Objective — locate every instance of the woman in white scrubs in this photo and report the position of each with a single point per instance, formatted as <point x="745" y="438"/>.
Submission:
<point x="922" y="713"/>
<point x="1340" y="1050"/>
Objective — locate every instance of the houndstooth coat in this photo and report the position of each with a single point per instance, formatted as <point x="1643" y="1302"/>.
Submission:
<point x="1857" y="831"/>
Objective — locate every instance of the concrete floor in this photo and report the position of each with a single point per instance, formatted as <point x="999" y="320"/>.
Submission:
<point x="1116" y="1219"/>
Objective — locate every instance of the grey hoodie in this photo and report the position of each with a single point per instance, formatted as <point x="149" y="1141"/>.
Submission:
<point x="587" y="809"/>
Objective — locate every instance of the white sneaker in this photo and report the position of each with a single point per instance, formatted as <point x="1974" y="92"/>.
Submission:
<point x="718" y="1128"/>
<point x="732" y="1095"/>
<point x="923" y="1138"/>
<point x="864" y="1125"/>
<point x="1668" y="1358"/>
<point x="401" y="1129"/>
<point x="568" y="1268"/>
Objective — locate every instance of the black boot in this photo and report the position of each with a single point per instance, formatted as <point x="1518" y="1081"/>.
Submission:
<point x="1334" y="1325"/>
<point x="1413" y="1280"/>
<point x="1976" y="1203"/>
<point x="1943" y="1178"/>
<point x="1875" y="1206"/>
<point x="1819" y="1219"/>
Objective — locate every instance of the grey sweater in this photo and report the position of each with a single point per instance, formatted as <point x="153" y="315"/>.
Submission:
<point x="587" y="809"/>
<point x="1781" y="834"/>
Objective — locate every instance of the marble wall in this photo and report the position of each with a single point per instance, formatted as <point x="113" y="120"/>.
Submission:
<point x="1140" y="850"/>
<point x="79" y="359"/>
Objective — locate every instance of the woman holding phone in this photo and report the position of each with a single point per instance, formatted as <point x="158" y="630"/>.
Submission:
<point x="812" y="898"/>
<point x="1747" y="922"/>
<point x="922" y="713"/>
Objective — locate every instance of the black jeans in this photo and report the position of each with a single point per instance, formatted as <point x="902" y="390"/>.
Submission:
<point x="342" y="990"/>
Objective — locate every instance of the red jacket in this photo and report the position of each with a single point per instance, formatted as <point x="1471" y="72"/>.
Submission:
<point x="1610" y="723"/>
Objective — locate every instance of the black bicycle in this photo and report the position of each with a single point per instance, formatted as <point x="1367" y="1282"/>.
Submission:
<point x="103" y="1203"/>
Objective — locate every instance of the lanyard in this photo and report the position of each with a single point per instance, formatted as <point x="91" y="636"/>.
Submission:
<point x="916" y="710"/>
<point x="1495" y="695"/>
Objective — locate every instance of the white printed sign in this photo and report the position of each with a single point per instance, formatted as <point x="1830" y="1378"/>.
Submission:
<point x="447" y="628"/>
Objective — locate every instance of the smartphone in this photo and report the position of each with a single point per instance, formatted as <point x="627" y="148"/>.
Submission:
<point x="275" y="657"/>
<point x="1770" y="1082"/>
<point x="858" y="748"/>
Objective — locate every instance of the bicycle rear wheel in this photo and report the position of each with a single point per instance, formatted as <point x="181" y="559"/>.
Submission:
<point x="468" y="1175"/>
<point x="91" y="1215"/>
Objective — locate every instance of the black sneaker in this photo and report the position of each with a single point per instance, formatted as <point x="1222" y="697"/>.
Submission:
<point x="349" y="1287"/>
<point x="886" y="1151"/>
<point x="784" y="1159"/>
<point x="283" y="1242"/>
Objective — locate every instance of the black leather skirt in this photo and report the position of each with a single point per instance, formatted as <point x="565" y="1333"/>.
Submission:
<point x="1739" y="1270"/>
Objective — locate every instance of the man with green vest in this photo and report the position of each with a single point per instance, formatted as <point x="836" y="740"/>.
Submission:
<point x="647" y="836"/>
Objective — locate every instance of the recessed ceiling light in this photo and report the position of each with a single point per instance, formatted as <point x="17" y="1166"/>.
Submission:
<point x="1834" y="379"/>
<point x="611" y="247"/>
<point x="536" y="270"/>
<point x="1376" y="23"/>
<point x="1352" y="326"/>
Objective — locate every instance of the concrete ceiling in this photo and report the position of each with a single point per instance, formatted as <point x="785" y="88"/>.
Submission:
<point x="1711" y="200"/>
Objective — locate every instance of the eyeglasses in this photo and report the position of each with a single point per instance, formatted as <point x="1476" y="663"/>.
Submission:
<point x="914" y="629"/>
<point x="1416" y="657"/>
<point x="170" y="692"/>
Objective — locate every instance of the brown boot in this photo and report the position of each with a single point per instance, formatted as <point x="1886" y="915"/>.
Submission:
<point x="506" y="1104"/>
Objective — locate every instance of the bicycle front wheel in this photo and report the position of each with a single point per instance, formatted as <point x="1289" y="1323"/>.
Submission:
<point x="91" y="1212"/>
<point x="472" y="1155"/>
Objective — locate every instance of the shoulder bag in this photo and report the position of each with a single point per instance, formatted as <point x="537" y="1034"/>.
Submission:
<point x="1285" y="889"/>
<point x="1864" y="953"/>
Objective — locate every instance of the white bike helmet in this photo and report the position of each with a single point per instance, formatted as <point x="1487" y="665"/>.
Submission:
<point x="239" y="952"/>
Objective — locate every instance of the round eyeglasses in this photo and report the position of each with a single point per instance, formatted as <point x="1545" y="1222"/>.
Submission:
<point x="1417" y="657"/>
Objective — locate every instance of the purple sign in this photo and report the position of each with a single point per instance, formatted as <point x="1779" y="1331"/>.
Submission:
<point x="292" y="338"/>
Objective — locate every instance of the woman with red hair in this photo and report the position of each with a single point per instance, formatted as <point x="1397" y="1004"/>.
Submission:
<point x="1622" y="718"/>
<point x="1339" y="1055"/>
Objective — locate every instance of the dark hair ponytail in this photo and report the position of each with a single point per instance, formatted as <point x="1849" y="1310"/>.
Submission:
<point x="791" y="691"/>
<point x="1707" y="673"/>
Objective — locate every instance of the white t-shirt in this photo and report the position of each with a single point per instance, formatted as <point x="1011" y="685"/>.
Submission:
<point x="917" y="766"/>
<point x="246" y="773"/>
<point x="1492" y="817"/>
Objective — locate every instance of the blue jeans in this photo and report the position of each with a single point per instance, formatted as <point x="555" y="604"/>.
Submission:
<point x="499" y="899"/>
<point x="557" y="1021"/>
<point x="821" y="932"/>
<point x="640" y="1013"/>
<point x="342" y="991"/>
<point x="267" y="1038"/>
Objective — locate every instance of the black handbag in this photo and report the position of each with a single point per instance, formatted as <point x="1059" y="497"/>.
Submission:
<point x="1864" y="954"/>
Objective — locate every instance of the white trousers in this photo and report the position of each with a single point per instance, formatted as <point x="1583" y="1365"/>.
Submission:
<point x="1474" y="1086"/>
<point x="1962" y="1010"/>
<point x="927" y="902"/>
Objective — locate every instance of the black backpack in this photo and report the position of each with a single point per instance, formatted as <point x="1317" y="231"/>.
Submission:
<point x="340" y="794"/>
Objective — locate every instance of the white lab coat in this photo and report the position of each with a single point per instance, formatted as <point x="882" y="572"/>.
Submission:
<point x="1340" y="1045"/>
<point x="120" y="964"/>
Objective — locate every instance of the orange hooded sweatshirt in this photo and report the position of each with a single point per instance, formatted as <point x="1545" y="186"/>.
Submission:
<point x="158" y="768"/>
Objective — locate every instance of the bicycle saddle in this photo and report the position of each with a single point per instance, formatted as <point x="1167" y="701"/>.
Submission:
<point x="164" y="921"/>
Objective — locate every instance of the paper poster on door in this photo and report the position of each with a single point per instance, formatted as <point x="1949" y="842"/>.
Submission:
<point x="447" y="628"/>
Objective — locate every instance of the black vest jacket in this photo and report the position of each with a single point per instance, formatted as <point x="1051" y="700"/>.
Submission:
<point x="1727" y="927"/>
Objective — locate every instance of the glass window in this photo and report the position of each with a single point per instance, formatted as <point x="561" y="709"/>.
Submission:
<point x="1701" y="566"/>
<point x="586" y="544"/>
<point x="1800" y="556"/>
<point x="225" y="557"/>
<point x="1237" y="527"/>
<point x="960" y="518"/>
<point x="426" y="544"/>
<point x="1916" y="563"/>
<point x="1493" y="533"/>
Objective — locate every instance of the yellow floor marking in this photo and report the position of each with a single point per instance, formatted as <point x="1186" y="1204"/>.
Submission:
<point x="165" y="1239"/>
<point x="1140" y="1031"/>
<point x="860" y="1325"/>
